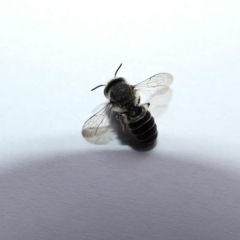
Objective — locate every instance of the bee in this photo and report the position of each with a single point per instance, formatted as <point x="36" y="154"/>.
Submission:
<point x="124" y="100"/>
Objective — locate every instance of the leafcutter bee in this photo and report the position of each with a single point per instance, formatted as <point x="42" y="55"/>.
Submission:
<point x="124" y="100"/>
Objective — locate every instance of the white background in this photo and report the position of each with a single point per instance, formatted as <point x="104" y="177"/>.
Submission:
<point x="56" y="185"/>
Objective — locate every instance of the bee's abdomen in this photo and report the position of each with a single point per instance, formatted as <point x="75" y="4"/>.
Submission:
<point x="145" y="129"/>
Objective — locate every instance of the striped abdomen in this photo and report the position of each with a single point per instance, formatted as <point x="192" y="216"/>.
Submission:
<point x="144" y="129"/>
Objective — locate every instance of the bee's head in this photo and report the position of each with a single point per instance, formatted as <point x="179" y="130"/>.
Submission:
<point x="120" y="93"/>
<point x="115" y="88"/>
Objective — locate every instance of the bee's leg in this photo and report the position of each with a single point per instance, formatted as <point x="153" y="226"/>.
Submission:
<point x="145" y="105"/>
<point x="123" y="120"/>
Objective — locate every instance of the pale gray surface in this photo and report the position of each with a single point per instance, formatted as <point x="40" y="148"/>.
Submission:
<point x="116" y="195"/>
<point x="55" y="185"/>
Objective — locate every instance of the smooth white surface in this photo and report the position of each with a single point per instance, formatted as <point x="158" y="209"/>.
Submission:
<point x="56" y="185"/>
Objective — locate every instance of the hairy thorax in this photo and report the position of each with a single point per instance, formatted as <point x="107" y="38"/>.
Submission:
<point x="122" y="96"/>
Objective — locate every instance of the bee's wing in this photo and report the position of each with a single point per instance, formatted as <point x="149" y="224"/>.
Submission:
<point x="159" y="102"/>
<point x="98" y="124"/>
<point x="159" y="82"/>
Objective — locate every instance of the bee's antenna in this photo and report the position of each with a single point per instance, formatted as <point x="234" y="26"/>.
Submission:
<point x="118" y="69"/>
<point x="97" y="87"/>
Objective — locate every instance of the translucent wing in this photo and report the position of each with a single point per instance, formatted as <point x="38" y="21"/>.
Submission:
<point x="98" y="124"/>
<point x="159" y="102"/>
<point x="158" y="82"/>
